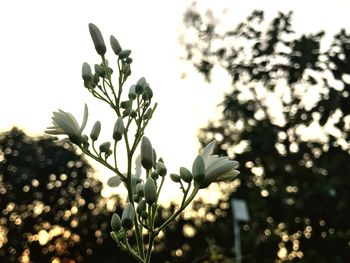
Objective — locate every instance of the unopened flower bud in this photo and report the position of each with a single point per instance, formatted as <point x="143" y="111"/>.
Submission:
<point x="97" y="38"/>
<point x="154" y="175"/>
<point x="148" y="114"/>
<point x="144" y="215"/>
<point x="124" y="54"/>
<point x="198" y="169"/>
<point x="100" y="71"/>
<point x="115" y="45"/>
<point x="147" y="93"/>
<point x="86" y="72"/>
<point x="135" y="198"/>
<point x="116" y="222"/>
<point x="133" y="114"/>
<point x="121" y="235"/>
<point x="125" y="104"/>
<point x="141" y="83"/>
<point x="141" y="207"/>
<point x="128" y="216"/>
<point x="114" y="236"/>
<point x="118" y="129"/>
<point x="139" y="190"/>
<point x="146" y="153"/>
<point x="96" y="78"/>
<point x="95" y="132"/>
<point x="175" y="178"/>
<point x="185" y="175"/>
<point x="104" y="147"/>
<point x="150" y="191"/>
<point x="132" y="93"/>
<point x="161" y="169"/>
<point x="128" y="60"/>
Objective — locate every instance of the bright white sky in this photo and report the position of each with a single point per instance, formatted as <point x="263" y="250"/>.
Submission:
<point x="44" y="43"/>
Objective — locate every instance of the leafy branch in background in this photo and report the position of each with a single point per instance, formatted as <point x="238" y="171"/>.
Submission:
<point x="133" y="113"/>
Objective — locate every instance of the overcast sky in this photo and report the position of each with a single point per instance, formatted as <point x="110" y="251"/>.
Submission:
<point x="44" y="43"/>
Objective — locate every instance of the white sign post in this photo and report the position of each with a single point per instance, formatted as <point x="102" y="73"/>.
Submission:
<point x="240" y="213"/>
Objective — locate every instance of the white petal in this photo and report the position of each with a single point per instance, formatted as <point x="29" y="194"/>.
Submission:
<point x="86" y="114"/>
<point x="228" y="176"/>
<point x="208" y="150"/>
<point x="219" y="169"/>
<point x="114" y="181"/>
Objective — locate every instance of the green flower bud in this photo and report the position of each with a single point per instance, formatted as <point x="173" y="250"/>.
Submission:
<point x="96" y="78"/>
<point x="146" y="153"/>
<point x="132" y="93"/>
<point x="86" y="72"/>
<point x="139" y="190"/>
<point x="148" y="114"/>
<point x="126" y="112"/>
<point x="114" y="236"/>
<point x="128" y="216"/>
<point x="116" y="222"/>
<point x="85" y="140"/>
<point x="95" y="132"/>
<point x="161" y="169"/>
<point x="121" y="235"/>
<point x="118" y="129"/>
<point x="126" y="70"/>
<point x="141" y="207"/>
<point x="144" y="215"/>
<point x="133" y="114"/>
<point x="185" y="175"/>
<point x="124" y="54"/>
<point x="198" y="169"/>
<point x="100" y="71"/>
<point x="175" y="178"/>
<point x="125" y="104"/>
<point x="115" y="45"/>
<point x="135" y="198"/>
<point x="97" y="38"/>
<point x="150" y="191"/>
<point x="104" y="147"/>
<point x="147" y="93"/>
<point x="154" y="175"/>
<point x="141" y="83"/>
<point x="128" y="60"/>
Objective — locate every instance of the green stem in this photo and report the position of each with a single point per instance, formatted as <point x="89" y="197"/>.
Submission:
<point x="183" y="206"/>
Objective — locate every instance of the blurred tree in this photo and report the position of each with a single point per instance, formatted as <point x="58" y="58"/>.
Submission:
<point x="51" y="207"/>
<point x="287" y="121"/>
<point x="52" y="211"/>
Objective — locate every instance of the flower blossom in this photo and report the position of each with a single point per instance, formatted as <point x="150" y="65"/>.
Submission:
<point x="217" y="169"/>
<point x="65" y="123"/>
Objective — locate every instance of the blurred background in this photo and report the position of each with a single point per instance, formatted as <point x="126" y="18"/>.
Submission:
<point x="269" y="80"/>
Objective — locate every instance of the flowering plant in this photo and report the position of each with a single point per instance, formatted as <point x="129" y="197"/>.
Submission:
<point x="133" y="113"/>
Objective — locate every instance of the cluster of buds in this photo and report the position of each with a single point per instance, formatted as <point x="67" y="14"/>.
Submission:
<point x="144" y="186"/>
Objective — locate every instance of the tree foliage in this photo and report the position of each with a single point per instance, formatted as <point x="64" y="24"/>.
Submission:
<point x="52" y="211"/>
<point x="287" y="121"/>
<point x="50" y="203"/>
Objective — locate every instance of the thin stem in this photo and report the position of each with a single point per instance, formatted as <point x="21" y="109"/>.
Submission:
<point x="183" y="206"/>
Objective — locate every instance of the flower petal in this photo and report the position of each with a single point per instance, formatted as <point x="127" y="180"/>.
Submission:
<point x="220" y="169"/>
<point x="228" y="176"/>
<point x="86" y="114"/>
<point x="208" y="150"/>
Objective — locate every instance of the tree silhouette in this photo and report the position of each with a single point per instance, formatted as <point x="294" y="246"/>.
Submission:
<point x="286" y="120"/>
<point x="52" y="211"/>
<point x="51" y="207"/>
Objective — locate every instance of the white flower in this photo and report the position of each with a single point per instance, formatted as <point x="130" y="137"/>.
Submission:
<point x="65" y="123"/>
<point x="217" y="169"/>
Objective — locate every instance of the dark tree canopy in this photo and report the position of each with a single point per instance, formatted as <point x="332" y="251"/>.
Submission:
<point x="287" y="121"/>
<point x="50" y="204"/>
<point x="52" y="211"/>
